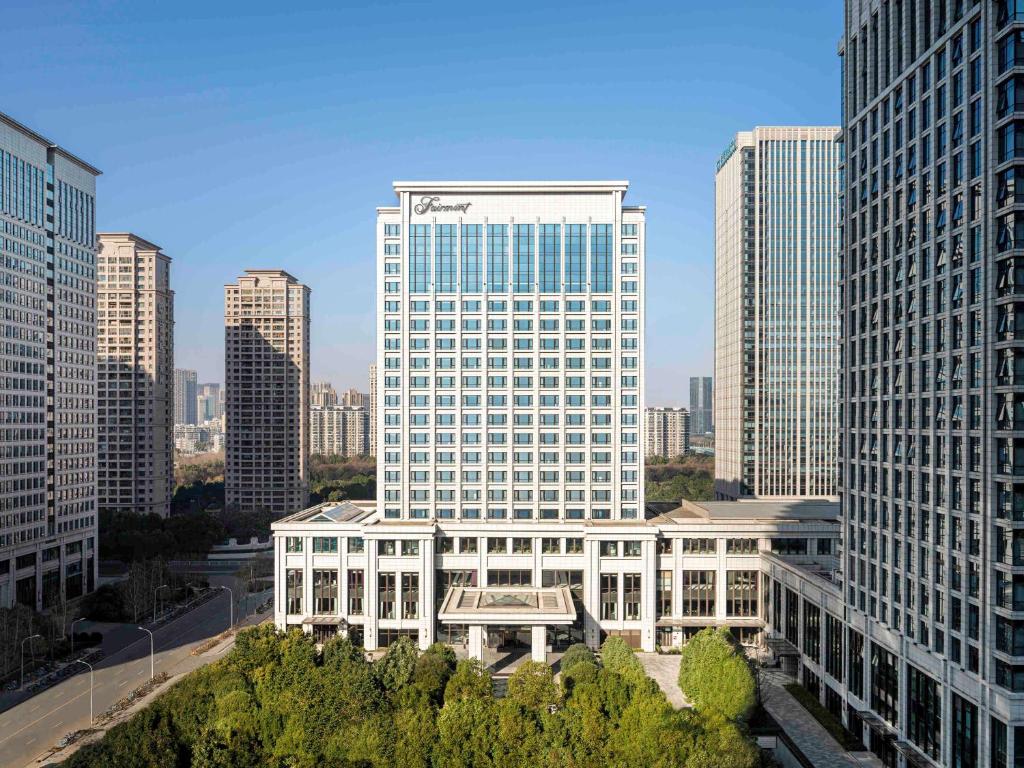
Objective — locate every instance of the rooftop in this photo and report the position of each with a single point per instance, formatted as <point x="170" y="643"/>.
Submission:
<point x="22" y="128"/>
<point x="793" y="510"/>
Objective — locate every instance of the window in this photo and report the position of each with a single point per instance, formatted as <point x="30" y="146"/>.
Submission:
<point x="293" y="544"/>
<point x="574" y="546"/>
<point x="410" y="595"/>
<point x="356" y="544"/>
<point x="697" y="593"/>
<point x="522" y="546"/>
<point x="325" y="591"/>
<point x="609" y="549"/>
<point x="355" y="592"/>
<point x="924" y="712"/>
<point x="410" y="547"/>
<point x="386" y="594"/>
<point x="631" y="596"/>
<point x="325" y="544"/>
<point x="631" y="549"/>
<point x="609" y="596"/>
<point x="575" y="258"/>
<point x="663" y="597"/>
<point x="697" y="546"/>
<point x="293" y="590"/>
<point x="510" y="578"/>
<point x="741" y="593"/>
<point x="497" y="545"/>
<point x="741" y="546"/>
<point x="550" y="250"/>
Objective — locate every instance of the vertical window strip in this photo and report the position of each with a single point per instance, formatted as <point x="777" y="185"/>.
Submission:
<point x="419" y="258"/>
<point x="522" y="258"/>
<point x="550" y="258"/>
<point x="601" y="258"/>
<point x="471" y="257"/>
<point x="576" y="258"/>
<point x="444" y="279"/>
<point x="497" y="258"/>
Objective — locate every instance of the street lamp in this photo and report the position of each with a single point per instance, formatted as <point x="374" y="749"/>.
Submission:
<point x="155" y="593"/>
<point x="80" y="618"/>
<point x="152" y="669"/>
<point x="30" y="637"/>
<point x="230" y="592"/>
<point x="80" y="661"/>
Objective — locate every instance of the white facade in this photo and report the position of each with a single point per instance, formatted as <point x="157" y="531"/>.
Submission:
<point x="509" y="352"/>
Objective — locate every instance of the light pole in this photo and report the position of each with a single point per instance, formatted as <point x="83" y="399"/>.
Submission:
<point x="30" y="637"/>
<point x="152" y="669"/>
<point x="80" y="618"/>
<point x="232" y="614"/>
<point x="91" y="721"/>
<point x="155" y="593"/>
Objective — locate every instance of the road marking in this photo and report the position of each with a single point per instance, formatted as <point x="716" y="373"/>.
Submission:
<point x="122" y="684"/>
<point x="30" y="741"/>
<point x="34" y="708"/>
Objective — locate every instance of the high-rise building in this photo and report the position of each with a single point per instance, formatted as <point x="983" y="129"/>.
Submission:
<point x="322" y="394"/>
<point x="339" y="430"/>
<point x="266" y="318"/>
<point x="353" y="398"/>
<point x="667" y="433"/>
<point x="930" y="471"/>
<point x="47" y="370"/>
<point x="209" y="402"/>
<point x="702" y="410"/>
<point x="510" y="505"/>
<point x="776" y="328"/>
<point x="373" y="408"/>
<point x="186" y="389"/>
<point x="134" y="376"/>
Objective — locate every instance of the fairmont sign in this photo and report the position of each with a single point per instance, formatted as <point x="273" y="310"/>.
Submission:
<point x="429" y="204"/>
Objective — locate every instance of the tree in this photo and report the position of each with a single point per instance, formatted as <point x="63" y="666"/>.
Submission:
<point x="532" y="685"/>
<point x="394" y="671"/>
<point x="465" y="733"/>
<point x="470" y="681"/>
<point x="618" y="657"/>
<point x="716" y="676"/>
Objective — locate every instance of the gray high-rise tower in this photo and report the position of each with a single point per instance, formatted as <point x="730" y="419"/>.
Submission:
<point x="47" y="370"/>
<point x="186" y="389"/>
<point x="932" y="378"/>
<point x="702" y="413"/>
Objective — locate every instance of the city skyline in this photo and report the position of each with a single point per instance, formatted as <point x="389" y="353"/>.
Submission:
<point x="235" y="96"/>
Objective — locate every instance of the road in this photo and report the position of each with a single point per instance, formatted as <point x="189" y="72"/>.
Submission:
<point x="30" y="728"/>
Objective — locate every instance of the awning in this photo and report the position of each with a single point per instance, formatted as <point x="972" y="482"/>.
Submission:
<point x="914" y="756"/>
<point x="325" y="621"/>
<point x="780" y="646"/>
<point x="877" y="724"/>
<point x="507" y="605"/>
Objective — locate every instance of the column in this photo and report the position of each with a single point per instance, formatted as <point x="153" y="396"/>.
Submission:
<point x="538" y="643"/>
<point x="475" y="641"/>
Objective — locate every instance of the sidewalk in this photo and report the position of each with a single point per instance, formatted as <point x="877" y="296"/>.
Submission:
<point x="809" y="736"/>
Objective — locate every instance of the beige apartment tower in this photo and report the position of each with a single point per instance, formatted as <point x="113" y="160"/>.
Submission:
<point x="667" y="432"/>
<point x="134" y="376"/>
<point x="266" y="360"/>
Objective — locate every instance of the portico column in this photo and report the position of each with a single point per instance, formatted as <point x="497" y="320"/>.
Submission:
<point x="539" y="639"/>
<point x="475" y="644"/>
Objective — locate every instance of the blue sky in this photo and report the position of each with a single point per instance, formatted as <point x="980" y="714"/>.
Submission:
<point x="264" y="134"/>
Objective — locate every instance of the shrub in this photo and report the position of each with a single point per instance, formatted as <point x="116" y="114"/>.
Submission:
<point x="715" y="675"/>
<point x="580" y="673"/>
<point x="574" y="654"/>
<point x="618" y="657"/>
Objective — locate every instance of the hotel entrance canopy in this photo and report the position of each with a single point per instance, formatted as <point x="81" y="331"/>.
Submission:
<point x="508" y="605"/>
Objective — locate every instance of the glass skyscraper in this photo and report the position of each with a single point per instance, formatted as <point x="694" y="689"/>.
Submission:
<point x="776" y="329"/>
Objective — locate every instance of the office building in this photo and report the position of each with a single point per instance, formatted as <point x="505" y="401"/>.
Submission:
<point x="373" y="408"/>
<point x="702" y="409"/>
<point x="776" y="328"/>
<point x="339" y="430"/>
<point x="668" y="432"/>
<point x="266" y="319"/>
<point x="209" y="402"/>
<point x="47" y="371"/>
<point x="134" y="376"/>
<point x="322" y="394"/>
<point x="186" y="390"/>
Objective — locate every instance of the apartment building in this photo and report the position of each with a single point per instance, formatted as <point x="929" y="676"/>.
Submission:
<point x="134" y="376"/>
<point x="339" y="430"/>
<point x="186" y="391"/>
<point x="667" y="433"/>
